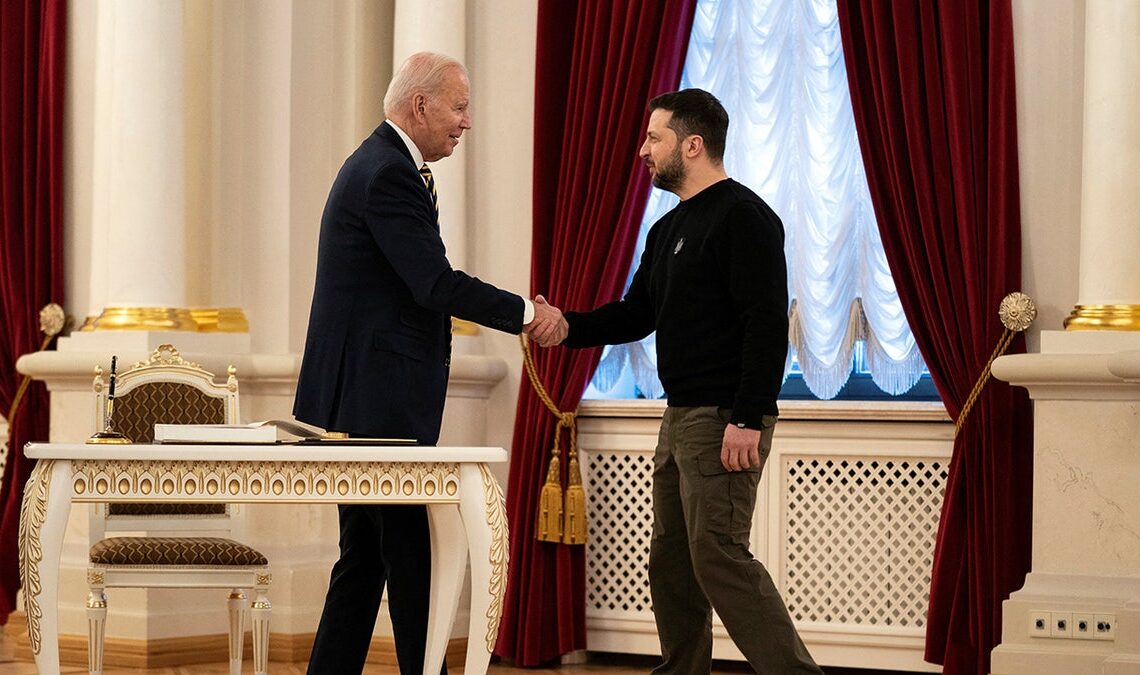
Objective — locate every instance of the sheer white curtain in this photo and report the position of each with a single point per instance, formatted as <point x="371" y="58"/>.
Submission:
<point x="777" y="66"/>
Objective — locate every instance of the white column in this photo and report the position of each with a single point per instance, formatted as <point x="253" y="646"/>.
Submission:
<point x="441" y="26"/>
<point x="1109" y="292"/>
<point x="1110" y="191"/>
<point x="139" y="157"/>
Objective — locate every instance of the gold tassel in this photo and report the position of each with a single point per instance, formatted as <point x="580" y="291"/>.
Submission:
<point x="549" y="526"/>
<point x="575" y="532"/>
<point x="556" y="525"/>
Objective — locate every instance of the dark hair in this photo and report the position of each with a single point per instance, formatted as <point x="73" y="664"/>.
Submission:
<point x="696" y="112"/>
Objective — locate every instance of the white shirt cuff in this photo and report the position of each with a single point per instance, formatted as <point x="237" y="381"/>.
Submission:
<point x="528" y="311"/>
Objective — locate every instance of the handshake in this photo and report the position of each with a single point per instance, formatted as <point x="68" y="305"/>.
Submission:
<point x="549" y="327"/>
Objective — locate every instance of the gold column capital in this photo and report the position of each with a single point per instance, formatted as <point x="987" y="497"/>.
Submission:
<point x="220" y="320"/>
<point x="1104" y="317"/>
<point x="196" y="320"/>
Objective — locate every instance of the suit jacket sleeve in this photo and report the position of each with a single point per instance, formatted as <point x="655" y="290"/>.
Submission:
<point x="403" y="225"/>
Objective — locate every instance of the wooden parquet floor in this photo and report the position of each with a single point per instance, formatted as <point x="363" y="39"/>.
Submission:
<point x="607" y="664"/>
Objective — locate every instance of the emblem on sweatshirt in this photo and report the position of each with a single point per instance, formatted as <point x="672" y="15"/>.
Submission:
<point x="677" y="248"/>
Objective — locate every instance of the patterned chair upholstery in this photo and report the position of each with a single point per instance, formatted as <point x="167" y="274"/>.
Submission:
<point x="166" y="389"/>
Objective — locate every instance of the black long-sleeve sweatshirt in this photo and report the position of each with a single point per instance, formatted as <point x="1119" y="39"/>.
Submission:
<point x="713" y="283"/>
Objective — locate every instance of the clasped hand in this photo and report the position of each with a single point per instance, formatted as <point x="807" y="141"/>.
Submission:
<point x="549" y="327"/>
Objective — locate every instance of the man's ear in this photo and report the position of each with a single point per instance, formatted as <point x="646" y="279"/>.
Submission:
<point x="419" y="106"/>
<point x="694" y="145"/>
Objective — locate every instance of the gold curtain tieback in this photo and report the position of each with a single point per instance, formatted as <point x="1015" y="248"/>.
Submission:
<point x="555" y="523"/>
<point x="1017" y="312"/>
<point x="53" y="321"/>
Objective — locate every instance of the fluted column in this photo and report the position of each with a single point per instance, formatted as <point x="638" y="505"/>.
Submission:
<point x="138" y="213"/>
<point x="440" y="26"/>
<point x="1109" y="293"/>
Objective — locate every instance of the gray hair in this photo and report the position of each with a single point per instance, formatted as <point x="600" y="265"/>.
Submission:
<point x="422" y="72"/>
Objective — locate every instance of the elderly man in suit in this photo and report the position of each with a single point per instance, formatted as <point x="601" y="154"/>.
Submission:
<point x="379" y="346"/>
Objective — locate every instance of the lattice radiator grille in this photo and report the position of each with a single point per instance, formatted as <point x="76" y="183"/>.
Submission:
<point x="621" y="521"/>
<point x="857" y="543"/>
<point x="859" y="539"/>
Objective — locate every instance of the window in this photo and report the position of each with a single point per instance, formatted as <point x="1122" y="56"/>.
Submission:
<point x="777" y="66"/>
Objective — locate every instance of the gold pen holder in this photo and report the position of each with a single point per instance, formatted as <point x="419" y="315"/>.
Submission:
<point x="108" y="436"/>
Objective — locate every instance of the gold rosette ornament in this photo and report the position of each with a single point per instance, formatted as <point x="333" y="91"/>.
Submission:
<point x="1017" y="312"/>
<point x="53" y="321"/>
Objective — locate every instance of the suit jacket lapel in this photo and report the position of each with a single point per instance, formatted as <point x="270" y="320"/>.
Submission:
<point x="386" y="132"/>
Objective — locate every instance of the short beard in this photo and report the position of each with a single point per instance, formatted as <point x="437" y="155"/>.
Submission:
<point x="671" y="174"/>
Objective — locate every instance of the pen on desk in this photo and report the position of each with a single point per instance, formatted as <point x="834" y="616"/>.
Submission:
<point x="111" y="393"/>
<point x="108" y="433"/>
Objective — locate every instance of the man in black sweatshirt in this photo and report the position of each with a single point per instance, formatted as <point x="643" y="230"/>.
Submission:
<point x="713" y="284"/>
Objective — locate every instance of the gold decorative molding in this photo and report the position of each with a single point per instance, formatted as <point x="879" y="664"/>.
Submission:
<point x="95" y="577"/>
<point x="33" y="513"/>
<point x="1104" y="317"/>
<point x="220" y="319"/>
<point x="143" y="318"/>
<point x="197" y="319"/>
<point x="463" y="327"/>
<point x="166" y="355"/>
<point x="175" y="480"/>
<point x="500" y="552"/>
<point x="263" y="579"/>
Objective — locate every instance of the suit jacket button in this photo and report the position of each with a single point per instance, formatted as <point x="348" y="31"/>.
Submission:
<point x="447" y="362"/>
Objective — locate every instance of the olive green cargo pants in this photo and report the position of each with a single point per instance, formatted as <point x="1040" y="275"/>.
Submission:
<point x="699" y="558"/>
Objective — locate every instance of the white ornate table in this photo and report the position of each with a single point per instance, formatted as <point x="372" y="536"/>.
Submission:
<point x="465" y="511"/>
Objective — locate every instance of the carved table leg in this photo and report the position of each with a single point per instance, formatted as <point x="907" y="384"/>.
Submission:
<point x="485" y="520"/>
<point x="448" y="563"/>
<point x="43" y="519"/>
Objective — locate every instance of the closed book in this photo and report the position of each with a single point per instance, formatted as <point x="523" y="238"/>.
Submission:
<point x="258" y="432"/>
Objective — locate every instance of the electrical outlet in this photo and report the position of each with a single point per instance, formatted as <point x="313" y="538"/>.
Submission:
<point x="1062" y="626"/>
<point x="1104" y="627"/>
<point x="1084" y="626"/>
<point x="1039" y="623"/>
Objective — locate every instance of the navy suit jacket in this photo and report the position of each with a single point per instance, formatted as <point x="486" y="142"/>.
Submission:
<point x="378" y="347"/>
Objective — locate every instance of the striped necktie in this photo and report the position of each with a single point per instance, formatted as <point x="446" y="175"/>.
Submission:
<point x="429" y="181"/>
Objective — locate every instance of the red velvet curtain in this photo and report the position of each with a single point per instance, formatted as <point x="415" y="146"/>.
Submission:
<point x="598" y="64"/>
<point x="31" y="234"/>
<point x="932" y="86"/>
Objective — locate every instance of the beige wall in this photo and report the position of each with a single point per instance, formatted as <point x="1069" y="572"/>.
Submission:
<point x="501" y="43"/>
<point x="1049" y="61"/>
